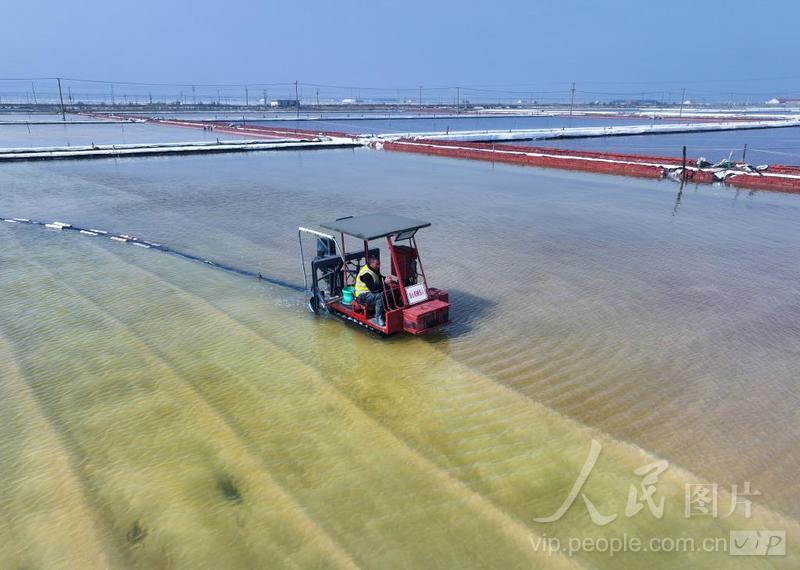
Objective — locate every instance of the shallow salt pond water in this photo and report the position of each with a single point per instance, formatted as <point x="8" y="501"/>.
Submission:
<point x="764" y="146"/>
<point x="157" y="412"/>
<point x="26" y="136"/>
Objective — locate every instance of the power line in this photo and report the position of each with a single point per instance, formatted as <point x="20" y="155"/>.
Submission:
<point x="472" y="89"/>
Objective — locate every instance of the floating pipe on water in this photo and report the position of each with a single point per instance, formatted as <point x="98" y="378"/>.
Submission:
<point x="132" y="240"/>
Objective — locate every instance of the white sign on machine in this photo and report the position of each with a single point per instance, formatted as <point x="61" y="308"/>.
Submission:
<point x="416" y="293"/>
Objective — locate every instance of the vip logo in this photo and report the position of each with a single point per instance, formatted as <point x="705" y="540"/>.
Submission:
<point x="757" y="543"/>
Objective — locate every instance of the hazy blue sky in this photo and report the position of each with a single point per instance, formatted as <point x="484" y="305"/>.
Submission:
<point x="625" y="45"/>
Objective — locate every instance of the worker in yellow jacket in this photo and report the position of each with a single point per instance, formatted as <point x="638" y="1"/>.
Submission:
<point x="369" y="288"/>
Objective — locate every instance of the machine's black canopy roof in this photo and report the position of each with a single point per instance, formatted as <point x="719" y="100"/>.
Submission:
<point x="374" y="226"/>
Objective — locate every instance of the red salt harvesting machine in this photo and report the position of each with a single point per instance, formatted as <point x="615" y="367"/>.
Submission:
<point x="331" y="276"/>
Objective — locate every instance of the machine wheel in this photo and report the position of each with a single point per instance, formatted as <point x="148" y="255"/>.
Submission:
<point x="316" y="303"/>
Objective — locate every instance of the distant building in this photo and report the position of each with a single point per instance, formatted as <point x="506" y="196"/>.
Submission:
<point x="284" y="103"/>
<point x="783" y="101"/>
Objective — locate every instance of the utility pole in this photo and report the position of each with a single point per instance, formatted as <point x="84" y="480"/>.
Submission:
<point x="69" y="95"/>
<point x="572" y="99"/>
<point x="318" y="99"/>
<point x="683" y="170"/>
<point x="61" y="98"/>
<point x="420" y="99"/>
<point x="265" y="99"/>
<point x="194" y="97"/>
<point x="683" y="98"/>
<point x="150" y="96"/>
<point x="246" y="97"/>
<point x="218" y="99"/>
<point x="112" y="94"/>
<point x="458" y="100"/>
<point x="33" y="88"/>
<point x="296" y="98"/>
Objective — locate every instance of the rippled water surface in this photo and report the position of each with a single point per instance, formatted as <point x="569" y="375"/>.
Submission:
<point x="158" y="412"/>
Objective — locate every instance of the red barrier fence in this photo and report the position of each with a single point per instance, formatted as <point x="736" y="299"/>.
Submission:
<point x="230" y="128"/>
<point x="779" y="178"/>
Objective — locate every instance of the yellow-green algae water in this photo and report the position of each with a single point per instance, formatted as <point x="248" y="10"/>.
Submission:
<point x="160" y="413"/>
